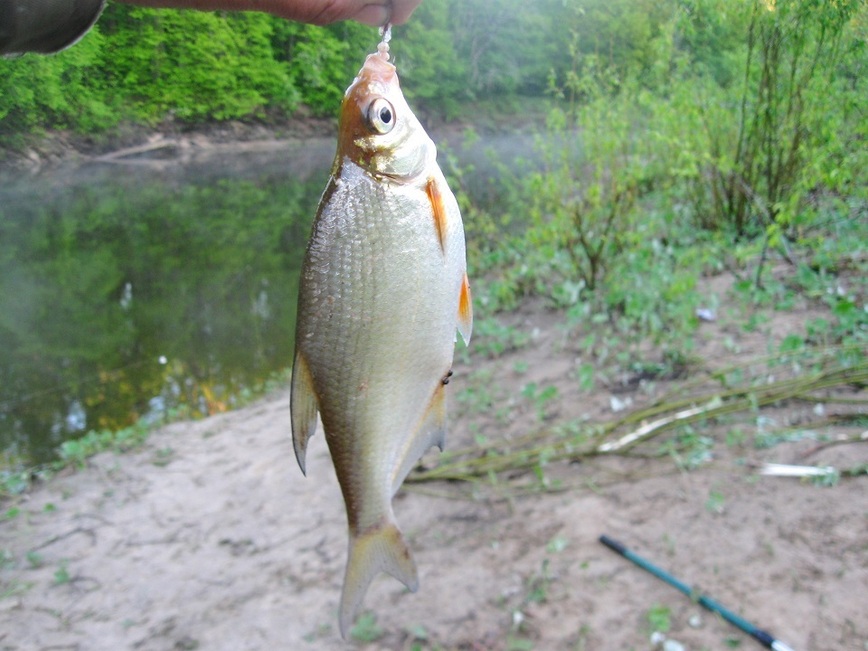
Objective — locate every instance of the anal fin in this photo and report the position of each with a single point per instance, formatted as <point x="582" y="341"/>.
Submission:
<point x="302" y="408"/>
<point x="431" y="431"/>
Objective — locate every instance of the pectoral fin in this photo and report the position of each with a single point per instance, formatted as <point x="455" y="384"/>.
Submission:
<point x="302" y="407"/>
<point x="441" y="218"/>
<point x="380" y="548"/>
<point x="465" y="311"/>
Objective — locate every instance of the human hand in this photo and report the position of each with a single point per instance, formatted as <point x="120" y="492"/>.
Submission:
<point x="315" y="12"/>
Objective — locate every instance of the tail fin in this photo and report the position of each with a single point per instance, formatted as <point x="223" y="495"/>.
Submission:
<point x="378" y="549"/>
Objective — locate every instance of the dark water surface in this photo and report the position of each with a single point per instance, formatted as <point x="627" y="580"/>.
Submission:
<point x="129" y="289"/>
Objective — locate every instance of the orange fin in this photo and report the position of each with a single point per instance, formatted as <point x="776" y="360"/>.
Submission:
<point x="302" y="408"/>
<point x="441" y="219"/>
<point x="465" y="311"/>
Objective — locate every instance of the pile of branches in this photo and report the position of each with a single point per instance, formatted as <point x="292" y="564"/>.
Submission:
<point x="830" y="375"/>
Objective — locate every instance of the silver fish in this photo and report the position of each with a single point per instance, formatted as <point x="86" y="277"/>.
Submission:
<point x="383" y="291"/>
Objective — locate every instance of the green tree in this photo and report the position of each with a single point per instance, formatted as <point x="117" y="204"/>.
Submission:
<point x="771" y="142"/>
<point x="710" y="33"/>
<point x="430" y="68"/>
<point x="617" y="34"/>
<point x="509" y="47"/>
<point x="322" y="61"/>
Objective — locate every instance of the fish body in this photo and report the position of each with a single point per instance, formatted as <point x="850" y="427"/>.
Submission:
<point x="383" y="290"/>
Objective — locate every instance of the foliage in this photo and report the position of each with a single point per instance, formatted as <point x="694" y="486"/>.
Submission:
<point x="618" y="35"/>
<point x="146" y="65"/>
<point x="321" y="62"/>
<point x="77" y="451"/>
<point x="760" y="150"/>
<point x="729" y="118"/>
<point x="507" y="50"/>
<point x="710" y="36"/>
<point x="60" y="91"/>
<point x="584" y="199"/>
<point x="194" y="65"/>
<point x="431" y="69"/>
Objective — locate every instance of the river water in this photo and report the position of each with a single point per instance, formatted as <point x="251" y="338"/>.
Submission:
<point x="133" y="288"/>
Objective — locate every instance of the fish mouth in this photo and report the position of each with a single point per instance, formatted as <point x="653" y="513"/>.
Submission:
<point x="377" y="70"/>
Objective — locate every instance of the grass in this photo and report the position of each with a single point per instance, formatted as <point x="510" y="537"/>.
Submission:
<point x="15" y="587"/>
<point x="538" y="585"/>
<point x="61" y="574"/>
<point x="515" y="643"/>
<point x="163" y="456"/>
<point x="366" y="628"/>
<point x="12" y="513"/>
<point x="659" y="618"/>
<point x="716" y="502"/>
<point x="540" y="397"/>
<point x="35" y="560"/>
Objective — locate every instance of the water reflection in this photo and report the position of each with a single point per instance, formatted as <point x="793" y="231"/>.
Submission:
<point x="131" y="290"/>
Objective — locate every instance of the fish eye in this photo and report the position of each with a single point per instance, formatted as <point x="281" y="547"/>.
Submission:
<point x="381" y="116"/>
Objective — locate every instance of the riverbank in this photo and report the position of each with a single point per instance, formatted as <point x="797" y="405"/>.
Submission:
<point x="165" y="141"/>
<point x="209" y="537"/>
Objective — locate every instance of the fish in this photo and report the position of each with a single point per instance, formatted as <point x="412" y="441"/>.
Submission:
<point x="383" y="295"/>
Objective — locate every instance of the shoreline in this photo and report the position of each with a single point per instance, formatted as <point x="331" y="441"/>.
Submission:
<point x="57" y="148"/>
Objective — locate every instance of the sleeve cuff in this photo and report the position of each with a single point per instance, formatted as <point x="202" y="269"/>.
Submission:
<point x="45" y="26"/>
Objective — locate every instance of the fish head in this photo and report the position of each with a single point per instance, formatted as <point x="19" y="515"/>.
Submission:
<point x="378" y="131"/>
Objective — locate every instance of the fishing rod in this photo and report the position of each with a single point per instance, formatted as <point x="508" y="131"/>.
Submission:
<point x="764" y="638"/>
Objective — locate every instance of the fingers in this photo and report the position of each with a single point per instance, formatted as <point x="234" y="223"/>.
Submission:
<point x="402" y="10"/>
<point x="374" y="15"/>
<point x="379" y="12"/>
